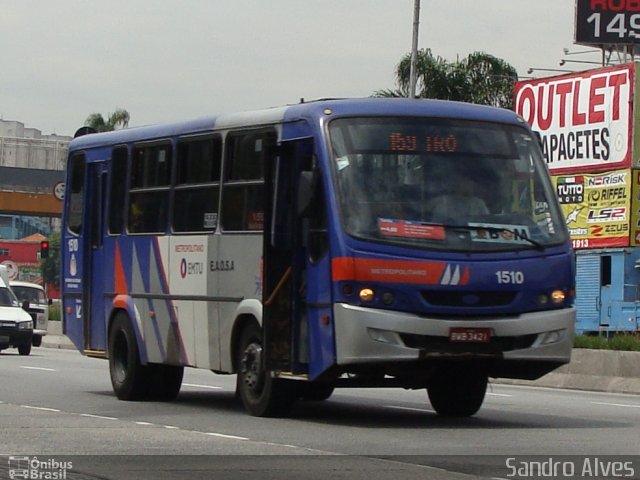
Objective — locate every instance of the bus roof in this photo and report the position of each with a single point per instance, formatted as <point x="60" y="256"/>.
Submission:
<point x="309" y="110"/>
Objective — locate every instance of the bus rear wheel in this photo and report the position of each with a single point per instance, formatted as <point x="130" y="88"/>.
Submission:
<point x="164" y="381"/>
<point x="457" y="391"/>
<point x="261" y="394"/>
<point x="129" y="378"/>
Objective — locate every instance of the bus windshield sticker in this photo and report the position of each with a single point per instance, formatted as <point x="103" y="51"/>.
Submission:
<point x="407" y="229"/>
<point x="210" y="220"/>
<point x="497" y="233"/>
<point x="342" y="162"/>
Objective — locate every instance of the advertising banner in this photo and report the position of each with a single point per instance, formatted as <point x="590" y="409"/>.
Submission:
<point x="584" y="119"/>
<point x="596" y="207"/>
<point x="635" y="209"/>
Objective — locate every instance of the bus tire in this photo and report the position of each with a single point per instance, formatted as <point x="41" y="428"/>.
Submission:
<point x="128" y="376"/>
<point x="457" y="391"/>
<point x="317" y="392"/>
<point x="164" y="381"/>
<point x="36" y="340"/>
<point x="260" y="393"/>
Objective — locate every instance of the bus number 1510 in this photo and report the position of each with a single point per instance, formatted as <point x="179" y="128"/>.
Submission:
<point x="510" y="277"/>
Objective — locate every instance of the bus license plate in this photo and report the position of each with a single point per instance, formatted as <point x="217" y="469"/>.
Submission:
<point x="469" y="335"/>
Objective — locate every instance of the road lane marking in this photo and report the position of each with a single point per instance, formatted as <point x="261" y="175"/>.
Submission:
<point x="41" y="408"/>
<point x="499" y="394"/>
<point x="627" y="405"/>
<point x="39" y="368"/>
<point x="210" y="434"/>
<point x="423" y="410"/>
<point x="211" y="387"/>
<point x="97" y="416"/>
<point x="224" y="435"/>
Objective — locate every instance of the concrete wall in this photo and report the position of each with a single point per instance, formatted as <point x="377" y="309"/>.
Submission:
<point x="599" y="370"/>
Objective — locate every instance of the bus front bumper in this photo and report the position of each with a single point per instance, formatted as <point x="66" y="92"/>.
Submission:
<point x="520" y="346"/>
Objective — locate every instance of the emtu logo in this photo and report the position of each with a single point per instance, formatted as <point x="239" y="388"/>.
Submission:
<point x="190" y="268"/>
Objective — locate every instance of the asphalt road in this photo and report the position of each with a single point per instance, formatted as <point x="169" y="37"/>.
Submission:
<point x="56" y="404"/>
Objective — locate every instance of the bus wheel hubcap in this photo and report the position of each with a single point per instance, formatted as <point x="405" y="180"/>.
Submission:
<point x="251" y="362"/>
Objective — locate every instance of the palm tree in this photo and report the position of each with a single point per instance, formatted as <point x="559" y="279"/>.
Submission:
<point x="479" y="78"/>
<point x="490" y="79"/>
<point x="119" y="118"/>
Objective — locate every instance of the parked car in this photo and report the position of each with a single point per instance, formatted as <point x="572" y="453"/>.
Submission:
<point x="16" y="325"/>
<point x="38" y="306"/>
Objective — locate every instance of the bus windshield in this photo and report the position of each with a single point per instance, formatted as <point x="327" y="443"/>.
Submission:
<point x="443" y="184"/>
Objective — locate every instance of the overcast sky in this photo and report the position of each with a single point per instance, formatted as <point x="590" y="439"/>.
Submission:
<point x="166" y="60"/>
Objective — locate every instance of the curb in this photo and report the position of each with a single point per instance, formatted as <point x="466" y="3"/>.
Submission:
<point x="54" y="337"/>
<point x="598" y="370"/>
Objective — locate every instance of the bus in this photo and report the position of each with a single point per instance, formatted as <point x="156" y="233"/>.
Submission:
<point x="299" y="248"/>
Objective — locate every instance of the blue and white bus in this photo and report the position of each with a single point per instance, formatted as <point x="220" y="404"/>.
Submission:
<point x="340" y="243"/>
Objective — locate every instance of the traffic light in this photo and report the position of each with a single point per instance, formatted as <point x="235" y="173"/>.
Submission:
<point x="44" y="249"/>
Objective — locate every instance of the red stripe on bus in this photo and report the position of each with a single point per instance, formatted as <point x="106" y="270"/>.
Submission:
<point x="120" y="286"/>
<point x="391" y="271"/>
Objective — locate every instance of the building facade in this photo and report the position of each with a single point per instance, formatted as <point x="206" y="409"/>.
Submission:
<point x="28" y="148"/>
<point x="31" y="167"/>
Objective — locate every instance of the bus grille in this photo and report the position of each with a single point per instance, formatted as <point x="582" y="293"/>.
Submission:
<point x="468" y="299"/>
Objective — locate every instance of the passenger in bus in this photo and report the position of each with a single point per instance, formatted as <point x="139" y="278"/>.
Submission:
<point x="459" y="200"/>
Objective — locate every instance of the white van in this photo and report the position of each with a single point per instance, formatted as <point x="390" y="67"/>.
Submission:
<point x="38" y="306"/>
<point x="16" y="325"/>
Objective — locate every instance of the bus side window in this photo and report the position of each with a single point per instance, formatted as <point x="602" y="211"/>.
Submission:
<point x="197" y="185"/>
<point x="76" y="193"/>
<point x="243" y="187"/>
<point x="117" y="189"/>
<point x="149" y="191"/>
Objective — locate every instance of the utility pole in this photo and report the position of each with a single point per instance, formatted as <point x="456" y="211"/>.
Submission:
<point x="414" y="50"/>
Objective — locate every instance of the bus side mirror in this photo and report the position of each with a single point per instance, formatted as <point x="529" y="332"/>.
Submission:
<point x="305" y="191"/>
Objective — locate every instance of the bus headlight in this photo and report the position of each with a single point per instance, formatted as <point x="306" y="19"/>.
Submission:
<point x="558" y="297"/>
<point x="366" y="295"/>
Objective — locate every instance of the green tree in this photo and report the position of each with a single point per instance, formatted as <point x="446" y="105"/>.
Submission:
<point x="117" y="119"/>
<point x="50" y="266"/>
<point x="478" y="78"/>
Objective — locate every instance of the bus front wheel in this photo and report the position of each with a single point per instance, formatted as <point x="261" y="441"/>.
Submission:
<point x="317" y="392"/>
<point x="261" y="394"/>
<point x="128" y="375"/>
<point x="458" y="391"/>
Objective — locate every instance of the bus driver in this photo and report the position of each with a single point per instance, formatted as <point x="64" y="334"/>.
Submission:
<point x="460" y="199"/>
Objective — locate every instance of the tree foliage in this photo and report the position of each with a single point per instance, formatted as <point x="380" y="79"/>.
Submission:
<point x="118" y="119"/>
<point x="478" y="78"/>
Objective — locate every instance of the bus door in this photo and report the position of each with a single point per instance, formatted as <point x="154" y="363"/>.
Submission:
<point x="96" y="274"/>
<point x="296" y="287"/>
